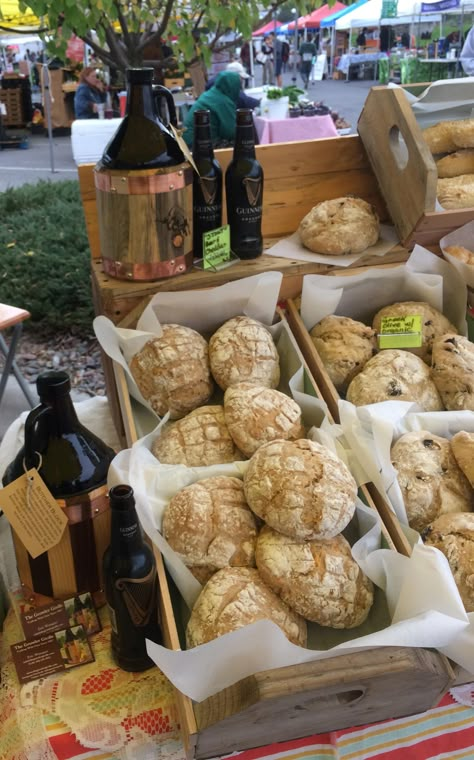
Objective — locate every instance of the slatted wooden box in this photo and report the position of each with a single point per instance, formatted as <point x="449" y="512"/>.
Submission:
<point x="405" y="169"/>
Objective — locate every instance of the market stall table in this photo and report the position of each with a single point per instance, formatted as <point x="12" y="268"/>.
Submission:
<point x="451" y="64"/>
<point x="293" y="130"/>
<point x="351" y="59"/>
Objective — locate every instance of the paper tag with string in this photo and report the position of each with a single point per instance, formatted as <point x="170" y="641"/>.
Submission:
<point x="33" y="512"/>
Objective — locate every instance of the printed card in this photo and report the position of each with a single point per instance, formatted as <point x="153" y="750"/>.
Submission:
<point x="79" y="610"/>
<point x="51" y="653"/>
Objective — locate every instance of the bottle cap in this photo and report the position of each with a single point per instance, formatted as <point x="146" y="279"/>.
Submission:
<point x="244" y="116"/>
<point x="53" y="384"/>
<point x="140" y="76"/>
<point x="201" y="117"/>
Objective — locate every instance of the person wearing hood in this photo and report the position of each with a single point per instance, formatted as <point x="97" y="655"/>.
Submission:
<point x="221" y="100"/>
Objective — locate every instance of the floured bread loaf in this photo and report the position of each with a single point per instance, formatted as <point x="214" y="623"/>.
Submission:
<point x="395" y="375"/>
<point x="429" y="477"/>
<point x="456" y="192"/>
<point x="172" y="372"/>
<point x="461" y="253"/>
<point x="242" y="350"/>
<point x="210" y="526"/>
<point x="340" y="226"/>
<point x="318" y="579"/>
<point x="462" y="132"/>
<point x="237" y="596"/>
<point x="462" y="445"/>
<point x="256" y="415"/>
<point x="452" y="371"/>
<point x="460" y="162"/>
<point x="300" y="488"/>
<point x="454" y="536"/>
<point x="434" y="323"/>
<point x="344" y="346"/>
<point x="439" y="137"/>
<point x="197" y="440"/>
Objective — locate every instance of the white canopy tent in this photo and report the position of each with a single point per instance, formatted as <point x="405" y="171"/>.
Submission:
<point x="370" y="14"/>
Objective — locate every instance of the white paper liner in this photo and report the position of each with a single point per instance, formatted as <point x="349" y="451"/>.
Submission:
<point x="292" y="248"/>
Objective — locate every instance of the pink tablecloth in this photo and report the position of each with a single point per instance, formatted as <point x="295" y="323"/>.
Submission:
<point x="292" y="130"/>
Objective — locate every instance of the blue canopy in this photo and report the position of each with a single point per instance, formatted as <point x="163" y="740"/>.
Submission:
<point x="331" y="20"/>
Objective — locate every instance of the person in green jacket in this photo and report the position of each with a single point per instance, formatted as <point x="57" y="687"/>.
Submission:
<point x="221" y="101"/>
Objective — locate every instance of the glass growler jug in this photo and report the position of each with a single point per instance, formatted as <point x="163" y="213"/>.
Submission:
<point x="144" y="190"/>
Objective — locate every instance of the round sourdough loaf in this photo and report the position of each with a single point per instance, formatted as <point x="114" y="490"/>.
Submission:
<point x="197" y="440"/>
<point x="395" y="375"/>
<point x="462" y="445"/>
<point x="210" y="526"/>
<point x="340" y="226"/>
<point x="434" y="324"/>
<point x="454" y="536"/>
<point x="344" y="346"/>
<point x="318" y="579"/>
<point x="256" y="415"/>
<point x="430" y="480"/>
<point x="242" y="350"/>
<point x="172" y="372"/>
<point x="237" y="596"/>
<point x="456" y="192"/>
<point x="461" y="253"/>
<point x="452" y="371"/>
<point x="300" y="488"/>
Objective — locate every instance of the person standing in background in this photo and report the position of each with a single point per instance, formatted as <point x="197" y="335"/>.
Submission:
<point x="278" y="61"/>
<point x="307" y="52"/>
<point x="467" y="54"/>
<point x="361" y="38"/>
<point x="268" y="68"/>
<point x="89" y="94"/>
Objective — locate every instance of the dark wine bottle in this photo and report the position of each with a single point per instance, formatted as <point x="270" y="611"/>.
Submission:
<point x="244" y="191"/>
<point x="73" y="463"/>
<point x="142" y="140"/>
<point x="131" y="585"/>
<point x="207" y="185"/>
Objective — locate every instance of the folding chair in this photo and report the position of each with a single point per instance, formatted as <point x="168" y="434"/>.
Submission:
<point x="11" y="316"/>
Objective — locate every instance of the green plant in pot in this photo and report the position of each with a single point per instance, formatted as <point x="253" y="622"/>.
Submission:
<point x="290" y="91"/>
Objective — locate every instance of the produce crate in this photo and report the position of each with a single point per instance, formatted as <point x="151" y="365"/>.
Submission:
<point x="11" y="98"/>
<point x="405" y="169"/>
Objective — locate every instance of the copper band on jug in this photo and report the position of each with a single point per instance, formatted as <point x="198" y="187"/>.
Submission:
<point x="150" y="271"/>
<point x="143" y="184"/>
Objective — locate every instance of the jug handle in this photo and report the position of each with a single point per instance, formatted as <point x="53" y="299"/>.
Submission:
<point x="158" y="91"/>
<point x="32" y="457"/>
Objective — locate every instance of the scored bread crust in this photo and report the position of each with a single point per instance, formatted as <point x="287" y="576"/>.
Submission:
<point x="318" y="579"/>
<point x="256" y="415"/>
<point x="456" y="192"/>
<point x="454" y="536"/>
<point x="340" y="226"/>
<point x="344" y="346"/>
<point x="172" y="372"/>
<point x="452" y="371"/>
<point x="300" y="488"/>
<point x="430" y="480"/>
<point x="395" y="375"/>
<point x="210" y="526"/>
<point x="237" y="596"/>
<point x="242" y="350"/>
<point x="462" y="445"/>
<point x="198" y="440"/>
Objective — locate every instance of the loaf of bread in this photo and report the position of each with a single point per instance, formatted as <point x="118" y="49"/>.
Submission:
<point x="439" y="137"/>
<point x="237" y="596"/>
<point x="318" y="579"/>
<point x="462" y="131"/>
<point x="256" y="415"/>
<point x="344" y="346"/>
<point x="434" y="323"/>
<point x="453" y="535"/>
<point x="456" y="192"/>
<point x="462" y="445"/>
<point x="198" y="440"/>
<point x="242" y="350"/>
<point x="340" y="226"/>
<point x="395" y="375"/>
<point x="300" y="488"/>
<point x="452" y="371"/>
<point x="172" y="372"/>
<point x="461" y="253"/>
<point x="210" y="526"/>
<point x="430" y="480"/>
<point x="454" y="164"/>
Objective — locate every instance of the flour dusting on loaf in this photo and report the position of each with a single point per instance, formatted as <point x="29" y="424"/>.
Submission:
<point x="340" y="226"/>
<point x="344" y="346"/>
<point x="454" y="536"/>
<point x="452" y="371"/>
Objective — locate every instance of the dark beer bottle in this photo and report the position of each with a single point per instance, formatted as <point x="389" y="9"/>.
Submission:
<point x="207" y="185"/>
<point x="73" y="463"/>
<point x="244" y="191"/>
<point x="131" y="585"/>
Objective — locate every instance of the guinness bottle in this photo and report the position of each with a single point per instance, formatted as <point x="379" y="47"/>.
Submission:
<point x="207" y="185"/>
<point x="244" y="191"/>
<point x="131" y="585"/>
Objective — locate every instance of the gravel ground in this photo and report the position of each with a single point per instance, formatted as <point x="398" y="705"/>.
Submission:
<point x="76" y="352"/>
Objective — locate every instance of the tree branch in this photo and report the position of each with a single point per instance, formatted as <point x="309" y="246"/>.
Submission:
<point x="103" y="54"/>
<point x="123" y="25"/>
<point x="155" y="36"/>
<point x="114" y="46"/>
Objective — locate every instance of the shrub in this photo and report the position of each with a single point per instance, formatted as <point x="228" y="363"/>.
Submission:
<point x="44" y="254"/>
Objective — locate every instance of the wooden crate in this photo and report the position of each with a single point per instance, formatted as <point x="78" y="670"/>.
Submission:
<point x="405" y="169"/>
<point x="297" y="701"/>
<point x="11" y="98"/>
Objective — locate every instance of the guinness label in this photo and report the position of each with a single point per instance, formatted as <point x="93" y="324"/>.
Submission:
<point x="253" y="190"/>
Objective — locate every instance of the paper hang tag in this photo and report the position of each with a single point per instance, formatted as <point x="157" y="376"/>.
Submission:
<point x="33" y="513"/>
<point x="187" y="153"/>
<point x="401" y="332"/>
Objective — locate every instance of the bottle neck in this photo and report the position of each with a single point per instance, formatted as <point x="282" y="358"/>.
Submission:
<point x="202" y="142"/>
<point x="244" y="141"/>
<point x="126" y="534"/>
<point x="141" y="101"/>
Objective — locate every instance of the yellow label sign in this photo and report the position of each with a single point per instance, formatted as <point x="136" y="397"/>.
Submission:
<point x="216" y="247"/>
<point x="401" y="332"/>
<point x="33" y="513"/>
